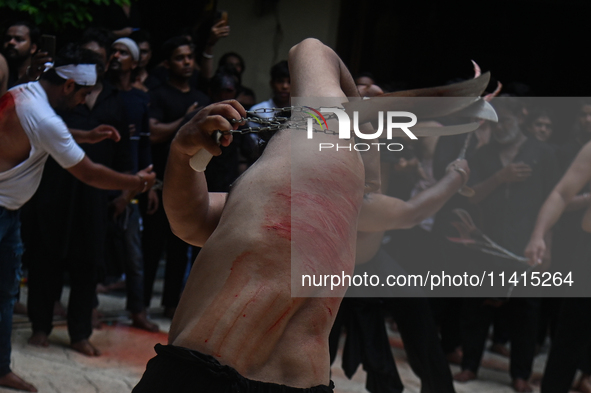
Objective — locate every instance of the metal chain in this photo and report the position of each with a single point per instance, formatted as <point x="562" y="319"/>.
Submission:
<point x="277" y="123"/>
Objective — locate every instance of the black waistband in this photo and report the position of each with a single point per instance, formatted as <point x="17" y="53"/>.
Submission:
<point x="215" y="369"/>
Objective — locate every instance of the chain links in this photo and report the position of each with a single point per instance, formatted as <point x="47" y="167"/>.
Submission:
<point x="278" y="122"/>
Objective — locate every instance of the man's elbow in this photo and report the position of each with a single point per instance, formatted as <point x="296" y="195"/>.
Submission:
<point x="412" y="221"/>
<point x="190" y="236"/>
<point x="412" y="214"/>
<point x="406" y="220"/>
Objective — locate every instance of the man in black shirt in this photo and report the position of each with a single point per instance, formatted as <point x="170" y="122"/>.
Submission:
<point x="67" y="224"/>
<point x="512" y="177"/>
<point x="19" y="45"/>
<point x="125" y="233"/>
<point x="571" y="250"/>
<point x="169" y="104"/>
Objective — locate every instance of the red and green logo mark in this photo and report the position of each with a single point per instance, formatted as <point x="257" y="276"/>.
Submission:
<point x="316" y="117"/>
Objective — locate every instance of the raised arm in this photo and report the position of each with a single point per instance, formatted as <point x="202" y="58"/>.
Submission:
<point x="192" y="211"/>
<point x="219" y="30"/>
<point x="571" y="183"/>
<point x="381" y="212"/>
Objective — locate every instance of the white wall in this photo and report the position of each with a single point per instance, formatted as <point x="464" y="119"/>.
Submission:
<point x="252" y="33"/>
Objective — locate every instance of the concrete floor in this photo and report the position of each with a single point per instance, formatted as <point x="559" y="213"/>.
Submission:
<point x="125" y="351"/>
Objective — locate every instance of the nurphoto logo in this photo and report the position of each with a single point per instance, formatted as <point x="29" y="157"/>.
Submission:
<point x="345" y="128"/>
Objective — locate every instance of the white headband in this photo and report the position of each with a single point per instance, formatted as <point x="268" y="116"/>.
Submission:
<point x="131" y="46"/>
<point x="82" y="74"/>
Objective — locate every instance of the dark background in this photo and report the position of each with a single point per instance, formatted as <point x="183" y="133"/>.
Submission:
<point x="543" y="44"/>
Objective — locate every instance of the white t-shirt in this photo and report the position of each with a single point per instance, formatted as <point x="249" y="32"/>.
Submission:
<point x="47" y="133"/>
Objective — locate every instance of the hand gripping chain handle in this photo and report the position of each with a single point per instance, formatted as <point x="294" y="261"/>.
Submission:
<point x="200" y="160"/>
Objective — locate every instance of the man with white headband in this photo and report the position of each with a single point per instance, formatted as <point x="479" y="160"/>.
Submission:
<point x="30" y="130"/>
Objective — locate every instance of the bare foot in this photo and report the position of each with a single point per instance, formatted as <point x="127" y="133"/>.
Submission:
<point x="96" y="319"/>
<point x="500" y="349"/>
<point x="59" y="309"/>
<point x="141" y="321"/>
<point x="85" y="348"/>
<point x="39" y="339"/>
<point x="20" y="308"/>
<point x="11" y="380"/>
<point x="455" y="357"/>
<point x="521" y="385"/>
<point x="464" y="376"/>
<point x="583" y="385"/>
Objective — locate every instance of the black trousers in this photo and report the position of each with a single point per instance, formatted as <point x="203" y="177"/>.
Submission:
<point x="367" y="343"/>
<point x="421" y="343"/>
<point x="157" y="238"/>
<point x="523" y="316"/>
<point x="570" y="344"/>
<point x="447" y="312"/>
<point x="46" y="278"/>
<point x="417" y="329"/>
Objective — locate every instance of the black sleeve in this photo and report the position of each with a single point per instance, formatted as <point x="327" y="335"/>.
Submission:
<point x="477" y="167"/>
<point x="446" y="151"/>
<point x="122" y="160"/>
<point x="155" y="105"/>
<point x="551" y="171"/>
<point x="144" y="148"/>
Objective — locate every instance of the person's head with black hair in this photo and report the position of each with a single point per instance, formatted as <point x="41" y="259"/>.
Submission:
<point x="142" y="39"/>
<point x="538" y="123"/>
<point x="178" y="58"/>
<point x="98" y="40"/>
<point x="72" y="76"/>
<point x="246" y="97"/>
<point x="21" y="41"/>
<point x="511" y="113"/>
<point x="280" y="83"/>
<point x="280" y="70"/>
<point x="232" y="59"/>
<point x="224" y="85"/>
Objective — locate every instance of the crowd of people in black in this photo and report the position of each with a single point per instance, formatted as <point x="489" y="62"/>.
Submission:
<point x="89" y="238"/>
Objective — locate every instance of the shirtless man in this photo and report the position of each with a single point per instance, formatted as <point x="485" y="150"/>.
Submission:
<point x="572" y="340"/>
<point x="237" y="309"/>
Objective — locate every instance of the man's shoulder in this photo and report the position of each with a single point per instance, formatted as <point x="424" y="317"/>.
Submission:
<point x="136" y="95"/>
<point x="484" y="153"/>
<point x="200" y="97"/>
<point x="159" y="90"/>
<point x="166" y="91"/>
<point x="542" y="148"/>
<point x="31" y="104"/>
